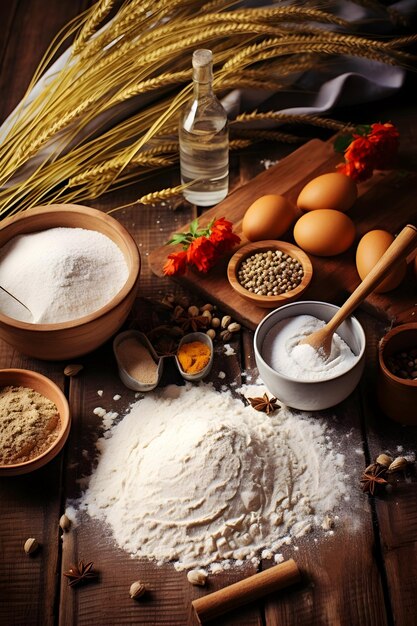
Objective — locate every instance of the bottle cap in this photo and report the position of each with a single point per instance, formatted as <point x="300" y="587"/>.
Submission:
<point x="203" y="65"/>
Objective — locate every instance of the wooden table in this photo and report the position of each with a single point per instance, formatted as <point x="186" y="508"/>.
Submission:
<point x="365" y="574"/>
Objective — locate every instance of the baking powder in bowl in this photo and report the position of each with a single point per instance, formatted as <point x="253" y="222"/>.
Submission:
<point x="282" y="351"/>
<point x="60" y="274"/>
<point x="195" y="476"/>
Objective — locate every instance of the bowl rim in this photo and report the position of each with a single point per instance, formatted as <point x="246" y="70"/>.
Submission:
<point x="397" y="330"/>
<point x="114" y="302"/>
<point x="65" y="419"/>
<point x="262" y="246"/>
<point x="355" y="321"/>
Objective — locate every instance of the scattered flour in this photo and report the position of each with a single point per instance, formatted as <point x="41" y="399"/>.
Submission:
<point x="282" y="350"/>
<point x="195" y="476"/>
<point x="228" y="350"/>
<point x="60" y="274"/>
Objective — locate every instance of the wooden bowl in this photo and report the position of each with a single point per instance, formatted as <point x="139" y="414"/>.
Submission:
<point x="397" y="396"/>
<point x="67" y="340"/>
<point x="269" y="302"/>
<point x="44" y="386"/>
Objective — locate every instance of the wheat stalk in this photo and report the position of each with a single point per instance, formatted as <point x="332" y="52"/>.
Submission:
<point x="145" y="49"/>
<point x="286" y="118"/>
<point x="98" y="13"/>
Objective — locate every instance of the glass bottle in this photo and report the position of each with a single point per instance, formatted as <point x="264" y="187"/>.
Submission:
<point x="204" y="138"/>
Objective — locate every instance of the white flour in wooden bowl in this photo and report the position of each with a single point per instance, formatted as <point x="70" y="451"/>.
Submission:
<point x="195" y="476"/>
<point x="60" y="274"/>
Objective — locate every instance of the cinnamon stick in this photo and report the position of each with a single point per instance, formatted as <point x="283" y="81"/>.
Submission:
<point x="247" y="590"/>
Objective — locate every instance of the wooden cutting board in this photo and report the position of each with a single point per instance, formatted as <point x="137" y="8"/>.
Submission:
<point x="386" y="201"/>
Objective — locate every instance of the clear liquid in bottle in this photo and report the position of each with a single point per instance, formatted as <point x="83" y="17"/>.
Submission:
<point x="204" y="139"/>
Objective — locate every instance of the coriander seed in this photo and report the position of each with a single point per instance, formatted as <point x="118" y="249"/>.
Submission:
<point x="270" y="273"/>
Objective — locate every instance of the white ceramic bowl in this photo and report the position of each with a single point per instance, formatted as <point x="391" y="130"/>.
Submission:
<point x="311" y="395"/>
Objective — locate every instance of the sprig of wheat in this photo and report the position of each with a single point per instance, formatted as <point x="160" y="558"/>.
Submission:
<point x="111" y="114"/>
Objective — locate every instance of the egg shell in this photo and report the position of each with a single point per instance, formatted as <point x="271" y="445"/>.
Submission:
<point x="268" y="217"/>
<point x="324" y="232"/>
<point x="328" y="191"/>
<point x="370" y="249"/>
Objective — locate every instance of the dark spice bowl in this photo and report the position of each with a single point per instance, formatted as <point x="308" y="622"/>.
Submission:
<point x="397" y="396"/>
<point x="269" y="302"/>
<point x="47" y="388"/>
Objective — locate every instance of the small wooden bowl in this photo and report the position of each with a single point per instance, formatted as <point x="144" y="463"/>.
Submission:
<point x="44" y="386"/>
<point x="71" y="339"/>
<point x="269" y="302"/>
<point x="397" y="396"/>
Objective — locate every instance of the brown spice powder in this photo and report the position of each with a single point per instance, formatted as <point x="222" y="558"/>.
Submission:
<point x="136" y="359"/>
<point x="29" y="424"/>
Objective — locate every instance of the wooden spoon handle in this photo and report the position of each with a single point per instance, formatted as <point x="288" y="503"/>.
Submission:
<point x="402" y="245"/>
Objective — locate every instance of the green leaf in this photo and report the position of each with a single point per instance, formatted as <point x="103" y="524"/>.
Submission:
<point x="194" y="227"/>
<point x="363" y="129"/>
<point x="178" y="238"/>
<point x="342" y="142"/>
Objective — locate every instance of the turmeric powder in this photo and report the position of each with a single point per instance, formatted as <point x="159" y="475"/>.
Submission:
<point x="193" y="356"/>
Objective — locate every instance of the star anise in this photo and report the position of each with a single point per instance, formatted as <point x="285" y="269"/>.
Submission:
<point x="79" y="573"/>
<point x="373" y="478"/>
<point x="264" y="404"/>
<point x="192" y="323"/>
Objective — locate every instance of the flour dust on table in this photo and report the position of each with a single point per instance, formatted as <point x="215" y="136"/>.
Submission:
<point x="195" y="476"/>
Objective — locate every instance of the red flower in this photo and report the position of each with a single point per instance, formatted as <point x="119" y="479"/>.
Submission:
<point x="202" y="253"/>
<point x="176" y="263"/>
<point x="222" y="235"/>
<point x="359" y="158"/>
<point x="385" y="140"/>
<point x="372" y="147"/>
<point x="201" y="246"/>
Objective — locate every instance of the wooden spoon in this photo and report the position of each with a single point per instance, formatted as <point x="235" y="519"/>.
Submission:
<point x="321" y="340"/>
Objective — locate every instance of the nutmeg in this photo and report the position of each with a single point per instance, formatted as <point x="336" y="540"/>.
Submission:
<point x="193" y="311"/>
<point x="73" y="369"/>
<point x="384" y="459"/>
<point x="137" y="589"/>
<point x="215" y="322"/>
<point x="64" y="522"/>
<point x="399" y="464"/>
<point x="226" y="319"/>
<point x="31" y="545"/>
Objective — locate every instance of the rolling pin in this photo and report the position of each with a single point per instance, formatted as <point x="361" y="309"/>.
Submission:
<point x="214" y="604"/>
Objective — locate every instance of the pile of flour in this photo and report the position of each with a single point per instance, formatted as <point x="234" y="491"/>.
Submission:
<point x="60" y="274"/>
<point x="195" y="476"/>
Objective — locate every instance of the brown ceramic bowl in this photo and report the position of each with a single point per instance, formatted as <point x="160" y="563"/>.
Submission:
<point x="44" y="386"/>
<point x="269" y="302"/>
<point x="77" y="337"/>
<point x="397" y="396"/>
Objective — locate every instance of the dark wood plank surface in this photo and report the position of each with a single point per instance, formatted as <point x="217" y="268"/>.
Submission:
<point x="365" y="574"/>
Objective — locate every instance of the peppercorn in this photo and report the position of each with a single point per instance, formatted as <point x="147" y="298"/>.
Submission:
<point x="270" y="273"/>
<point x="403" y="364"/>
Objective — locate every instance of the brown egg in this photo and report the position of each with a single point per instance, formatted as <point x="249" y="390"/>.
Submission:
<point x="328" y="191"/>
<point x="415" y="265"/>
<point x="268" y="218"/>
<point x="324" y="232"/>
<point x="370" y="249"/>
